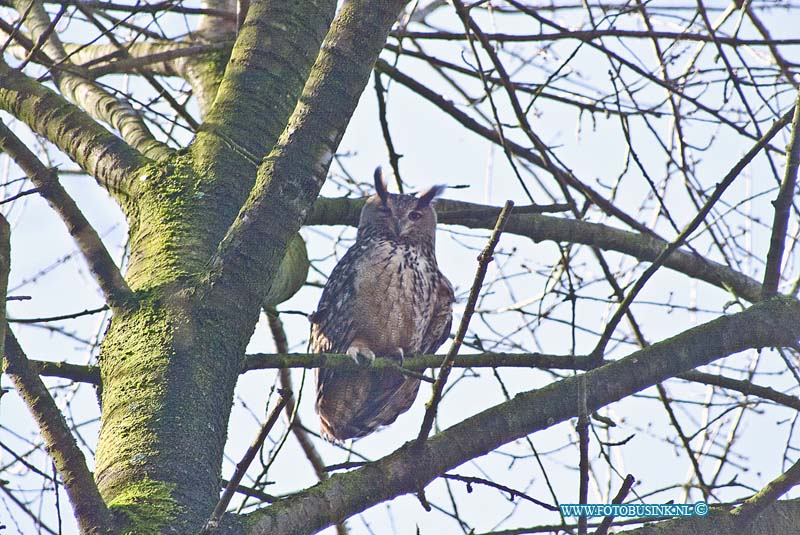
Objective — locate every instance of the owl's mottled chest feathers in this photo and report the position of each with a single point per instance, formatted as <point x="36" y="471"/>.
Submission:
<point x="394" y="281"/>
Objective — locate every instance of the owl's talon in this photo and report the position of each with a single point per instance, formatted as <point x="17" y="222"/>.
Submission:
<point x="361" y="354"/>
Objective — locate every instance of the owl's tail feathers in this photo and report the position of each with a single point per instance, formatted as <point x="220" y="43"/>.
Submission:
<point x="337" y="433"/>
<point x="383" y="397"/>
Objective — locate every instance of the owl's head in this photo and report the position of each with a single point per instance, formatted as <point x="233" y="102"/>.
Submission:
<point x="398" y="217"/>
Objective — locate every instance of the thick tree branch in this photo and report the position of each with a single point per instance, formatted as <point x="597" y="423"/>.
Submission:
<point x="64" y="370"/>
<point x="290" y="178"/>
<point x="269" y="64"/>
<point x="84" y="92"/>
<point x="110" y="160"/>
<point x="780" y="518"/>
<point x="540" y="228"/>
<point x="755" y="506"/>
<point x="90" y="510"/>
<point x="102" y="266"/>
<point x="771" y="323"/>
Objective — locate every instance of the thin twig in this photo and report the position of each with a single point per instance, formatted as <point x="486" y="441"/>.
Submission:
<point x="583" y="447"/>
<point x="515" y="148"/>
<point x="745" y="387"/>
<point x="295" y="423"/>
<point x="514" y="493"/>
<point x="665" y="400"/>
<point x="244" y="464"/>
<point x="394" y="158"/>
<point x="447" y="364"/>
<point x="87" y="312"/>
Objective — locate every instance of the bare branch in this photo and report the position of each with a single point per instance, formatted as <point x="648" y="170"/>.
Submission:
<point x="514" y="148"/>
<point x="447" y="364"/>
<point x="753" y="507"/>
<point x="102" y="266"/>
<point x="111" y="161"/>
<point x="626" y="487"/>
<point x="90" y="509"/>
<point x="415" y="465"/>
<point x="244" y="464"/>
<point x="745" y="387"/>
<point x="538" y="228"/>
<point x="732" y="175"/>
<point x="782" y="204"/>
<point x="65" y="370"/>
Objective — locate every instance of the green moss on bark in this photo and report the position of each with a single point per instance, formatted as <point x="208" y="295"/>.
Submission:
<point x="134" y="362"/>
<point x="145" y="507"/>
<point x="169" y="227"/>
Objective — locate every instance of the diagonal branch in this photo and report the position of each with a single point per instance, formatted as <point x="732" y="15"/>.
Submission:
<point x="721" y="187"/>
<point x="244" y="464"/>
<point x="102" y="266"/>
<point x="751" y="508"/>
<point x="782" y="204"/>
<point x="514" y="148"/>
<point x="90" y="510"/>
<point x="770" y="323"/>
<point x="110" y="160"/>
<point x="291" y="176"/>
<point x="447" y="364"/>
<point x="745" y="387"/>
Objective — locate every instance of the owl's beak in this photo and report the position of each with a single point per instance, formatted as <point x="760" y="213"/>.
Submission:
<point x="398" y="229"/>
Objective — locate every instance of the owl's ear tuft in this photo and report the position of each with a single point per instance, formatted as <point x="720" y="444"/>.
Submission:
<point x="380" y="185"/>
<point x="427" y="198"/>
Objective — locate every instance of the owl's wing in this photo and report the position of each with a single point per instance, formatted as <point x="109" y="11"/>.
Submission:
<point x="332" y="329"/>
<point x="441" y="318"/>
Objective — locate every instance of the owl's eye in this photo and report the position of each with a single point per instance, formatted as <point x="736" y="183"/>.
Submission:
<point x="414" y="216"/>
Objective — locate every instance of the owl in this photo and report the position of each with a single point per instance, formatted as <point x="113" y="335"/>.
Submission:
<point x="387" y="298"/>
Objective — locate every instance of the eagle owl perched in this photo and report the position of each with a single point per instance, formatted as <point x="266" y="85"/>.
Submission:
<point x="386" y="297"/>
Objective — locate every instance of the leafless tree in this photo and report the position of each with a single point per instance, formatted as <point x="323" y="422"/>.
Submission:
<point x="628" y="334"/>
